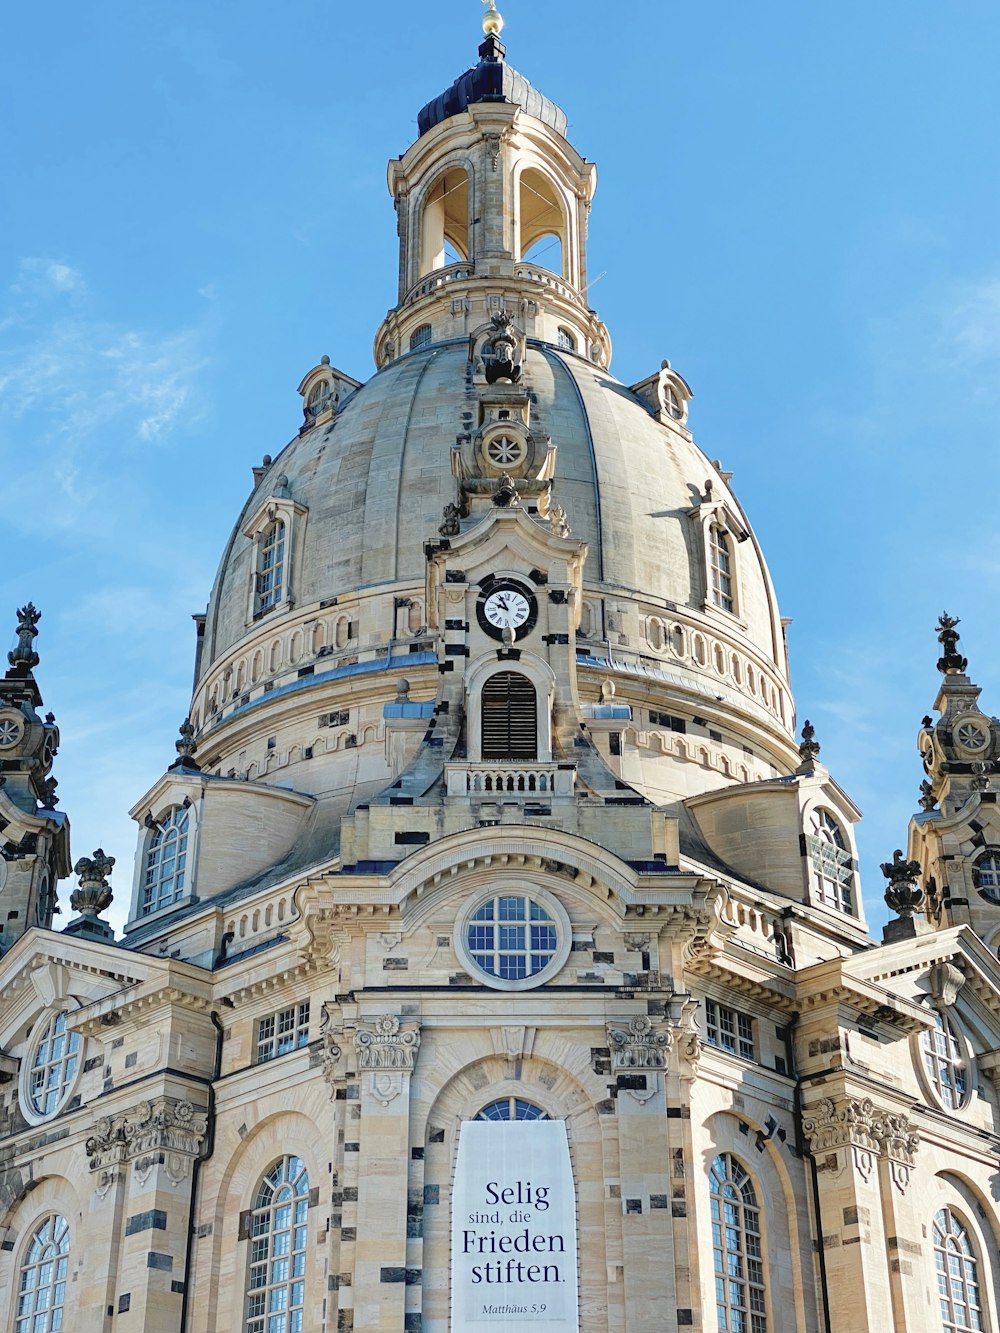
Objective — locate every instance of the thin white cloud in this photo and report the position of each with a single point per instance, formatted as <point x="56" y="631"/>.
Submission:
<point x="47" y="277"/>
<point x="80" y="395"/>
<point x="971" y="325"/>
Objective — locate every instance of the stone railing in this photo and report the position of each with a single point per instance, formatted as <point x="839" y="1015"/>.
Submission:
<point x="506" y="780"/>
<point x="439" y="278"/>
<point x="546" y="278"/>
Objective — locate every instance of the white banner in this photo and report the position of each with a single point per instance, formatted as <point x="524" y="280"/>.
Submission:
<point x="513" y="1228"/>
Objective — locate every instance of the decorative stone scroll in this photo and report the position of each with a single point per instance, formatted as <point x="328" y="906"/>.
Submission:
<point x="386" y="1050"/>
<point x="331" y="1053"/>
<point x="163" y="1131"/>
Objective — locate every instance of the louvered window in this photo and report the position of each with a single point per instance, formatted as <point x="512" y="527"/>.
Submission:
<point x="510" y="717"/>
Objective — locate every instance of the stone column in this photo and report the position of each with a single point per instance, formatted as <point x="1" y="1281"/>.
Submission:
<point x="840" y="1132"/>
<point x="640" y="1047"/>
<point x="386" y="1051"/>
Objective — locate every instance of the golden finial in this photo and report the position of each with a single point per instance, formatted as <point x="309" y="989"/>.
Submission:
<point x="492" y="20"/>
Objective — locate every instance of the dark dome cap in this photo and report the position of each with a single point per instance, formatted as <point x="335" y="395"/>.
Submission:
<point x="492" y="80"/>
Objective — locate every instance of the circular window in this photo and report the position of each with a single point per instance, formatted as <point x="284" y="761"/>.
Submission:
<point x="11" y="729"/>
<point x="514" y="939"/>
<point x="506" y="451"/>
<point x="945" y="1063"/>
<point x="971" y="736"/>
<point x="512" y="1108"/>
<point x="52" y="1069"/>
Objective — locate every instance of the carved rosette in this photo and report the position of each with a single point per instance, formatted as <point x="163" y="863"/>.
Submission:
<point x="386" y="1050"/>
<point x="849" y="1123"/>
<point x="165" y="1131"/>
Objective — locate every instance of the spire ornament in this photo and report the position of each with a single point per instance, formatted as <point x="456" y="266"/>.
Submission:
<point x="24" y="655"/>
<point x="904" y="895"/>
<point x="93" y="896"/>
<point x="951" y="662"/>
<point x="809" y="749"/>
<point x="185" y="746"/>
<point x="492" y="20"/>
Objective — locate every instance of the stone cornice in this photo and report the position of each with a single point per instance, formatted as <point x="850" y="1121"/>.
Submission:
<point x="829" y="985"/>
<point x="135" y="1004"/>
<point x="748" y="978"/>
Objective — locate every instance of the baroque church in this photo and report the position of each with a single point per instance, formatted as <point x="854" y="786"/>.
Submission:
<point x="496" y="952"/>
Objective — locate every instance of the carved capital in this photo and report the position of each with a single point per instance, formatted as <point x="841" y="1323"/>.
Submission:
<point x="640" y="1045"/>
<point x="162" y="1131"/>
<point x="387" y="1044"/>
<point x="849" y="1122"/>
<point x="899" y="1142"/>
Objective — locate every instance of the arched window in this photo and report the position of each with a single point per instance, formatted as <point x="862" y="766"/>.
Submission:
<point x="957" y="1275"/>
<point x="420" y="337"/>
<point x="277" y="1229"/>
<point x="672" y="403"/>
<point x="736" y="1244"/>
<point x="944" y="1060"/>
<point x="721" y="562"/>
<point x="512" y="1108"/>
<point x="271" y="567"/>
<point x="319" y="398"/>
<point x="166" y="862"/>
<point x="510" y="717"/>
<point x="832" y="863"/>
<point x="543" y="232"/>
<point x="42" y="1280"/>
<point x="987" y="874"/>
<point x="444" y="235"/>
<point x="565" y="341"/>
<point x="53" y="1066"/>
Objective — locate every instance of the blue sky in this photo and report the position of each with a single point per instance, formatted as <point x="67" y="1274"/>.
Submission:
<point x="798" y="205"/>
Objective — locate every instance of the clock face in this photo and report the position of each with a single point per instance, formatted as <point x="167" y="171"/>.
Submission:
<point x="506" y="606"/>
<point x="507" y="609"/>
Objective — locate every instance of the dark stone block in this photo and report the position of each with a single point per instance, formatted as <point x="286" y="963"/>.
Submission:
<point x="154" y="1220"/>
<point x="393" y="1275"/>
<point x="164" y="1261"/>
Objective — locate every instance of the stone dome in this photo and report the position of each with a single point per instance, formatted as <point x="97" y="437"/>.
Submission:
<point x="491" y="364"/>
<point x="370" y="488"/>
<point x="375" y="480"/>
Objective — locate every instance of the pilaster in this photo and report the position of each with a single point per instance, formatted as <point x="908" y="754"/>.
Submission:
<point x="640" y="1047"/>
<point x="841" y="1134"/>
<point x="142" y="1160"/>
<point x="385" y="1050"/>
